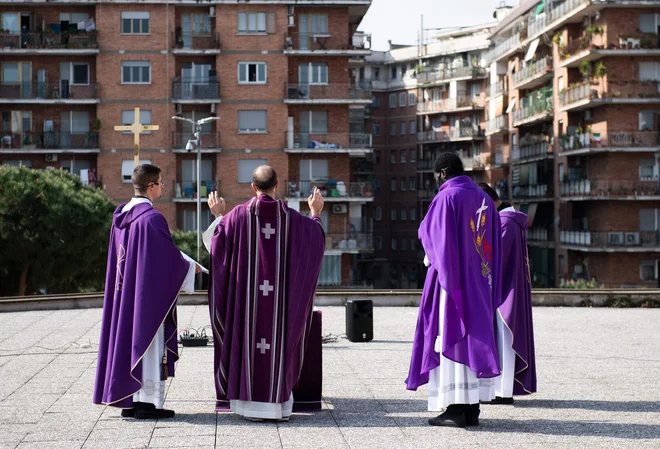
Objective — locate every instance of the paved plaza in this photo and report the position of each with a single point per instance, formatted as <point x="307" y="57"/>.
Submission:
<point x="598" y="387"/>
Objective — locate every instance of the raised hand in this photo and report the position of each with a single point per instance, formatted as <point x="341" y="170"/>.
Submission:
<point x="315" y="202"/>
<point x="216" y="204"/>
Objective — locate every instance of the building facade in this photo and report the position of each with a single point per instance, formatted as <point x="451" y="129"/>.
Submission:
<point x="279" y="75"/>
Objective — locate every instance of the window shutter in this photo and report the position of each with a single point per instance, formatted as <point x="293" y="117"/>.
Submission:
<point x="271" y="25"/>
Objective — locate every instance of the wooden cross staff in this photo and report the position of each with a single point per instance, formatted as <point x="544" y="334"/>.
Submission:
<point x="136" y="128"/>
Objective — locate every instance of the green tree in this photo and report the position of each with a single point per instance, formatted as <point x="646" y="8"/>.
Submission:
<point x="187" y="242"/>
<point x="53" y="232"/>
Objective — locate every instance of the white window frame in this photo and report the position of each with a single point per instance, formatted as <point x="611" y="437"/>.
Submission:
<point x="402" y="99"/>
<point x="378" y="213"/>
<point x="412" y="128"/>
<point x="649" y="123"/>
<point x="393" y="129"/>
<point x="655" y="68"/>
<point x="251" y="130"/>
<point x="132" y="115"/>
<point x="404" y="129"/>
<point x="315" y="73"/>
<point x="133" y="15"/>
<point x="412" y="99"/>
<point x="648" y="163"/>
<point x="413" y="155"/>
<point x="648" y="263"/>
<point x="246" y="65"/>
<point x="392" y="101"/>
<point x="413" y="184"/>
<point x="127" y="169"/>
<point x="403" y="156"/>
<point x="72" y="80"/>
<point x="310" y="170"/>
<point x="140" y="64"/>
<point x="255" y="162"/>
<point x="256" y="16"/>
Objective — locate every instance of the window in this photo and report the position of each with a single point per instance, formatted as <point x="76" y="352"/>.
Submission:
<point x="648" y="271"/>
<point x="402" y="100"/>
<point x="378" y="214"/>
<point x="313" y="122"/>
<point x="646" y="119"/>
<point x="404" y="155"/>
<point x="127" y="169"/>
<point x="647" y="169"/>
<point x="393" y="185"/>
<point x="17" y="163"/>
<point x="254" y="22"/>
<point x="375" y="129"/>
<point x="413" y="127"/>
<point x="404" y="130"/>
<point x="393" y="71"/>
<point x="393" y="129"/>
<point x="375" y="102"/>
<point x="376" y="73"/>
<point x="313" y="170"/>
<point x="378" y="240"/>
<point x="246" y="167"/>
<point x="330" y="274"/>
<point x="187" y="220"/>
<point x="80" y="74"/>
<point x="412" y="99"/>
<point x="128" y="117"/>
<point x="136" y="72"/>
<point x="413" y="155"/>
<point x="413" y="244"/>
<point x="135" y="22"/>
<point x="649" y="23"/>
<point x="195" y="25"/>
<point x="404" y="187"/>
<point x="404" y="244"/>
<point x="11" y="21"/>
<point x="648" y="220"/>
<point x="413" y="214"/>
<point x="393" y="243"/>
<point x="649" y="71"/>
<point x="413" y="183"/>
<point x="376" y="156"/>
<point x="189" y="176"/>
<point x="252" y="122"/>
<point x="313" y="73"/>
<point x="252" y="73"/>
<point x="404" y="214"/>
<point x="393" y="156"/>
<point x="393" y="214"/>
<point x="392" y="100"/>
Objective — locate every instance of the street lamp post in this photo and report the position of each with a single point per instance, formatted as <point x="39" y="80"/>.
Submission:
<point x="197" y="130"/>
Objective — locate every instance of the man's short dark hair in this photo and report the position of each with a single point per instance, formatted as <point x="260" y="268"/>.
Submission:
<point x="264" y="178"/>
<point x="143" y="175"/>
<point x="489" y="191"/>
<point x="451" y="163"/>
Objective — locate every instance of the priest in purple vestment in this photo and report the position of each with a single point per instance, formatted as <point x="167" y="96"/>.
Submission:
<point x="145" y="272"/>
<point x="515" y="328"/>
<point x="454" y="347"/>
<point x="265" y="263"/>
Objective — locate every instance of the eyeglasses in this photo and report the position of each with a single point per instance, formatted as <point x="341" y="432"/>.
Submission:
<point x="161" y="183"/>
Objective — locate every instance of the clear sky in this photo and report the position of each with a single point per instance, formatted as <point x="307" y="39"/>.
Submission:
<point x="399" y="20"/>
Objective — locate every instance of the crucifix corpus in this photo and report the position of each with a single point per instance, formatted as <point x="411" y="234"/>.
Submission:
<point x="136" y="128"/>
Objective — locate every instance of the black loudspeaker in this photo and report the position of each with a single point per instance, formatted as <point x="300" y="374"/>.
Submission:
<point x="360" y="320"/>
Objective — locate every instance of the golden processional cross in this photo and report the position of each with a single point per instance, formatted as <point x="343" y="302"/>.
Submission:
<point x="136" y="128"/>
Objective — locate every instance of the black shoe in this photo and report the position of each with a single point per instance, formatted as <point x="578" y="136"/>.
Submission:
<point x="499" y="400"/>
<point x="149" y="411"/>
<point x="127" y="413"/>
<point x="453" y="416"/>
<point x="472" y="415"/>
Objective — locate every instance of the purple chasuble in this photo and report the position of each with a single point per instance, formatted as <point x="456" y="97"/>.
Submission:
<point x="516" y="310"/>
<point x="461" y="238"/>
<point x="144" y="275"/>
<point x="265" y="263"/>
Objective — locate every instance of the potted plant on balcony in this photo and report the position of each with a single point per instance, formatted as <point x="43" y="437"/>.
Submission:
<point x="97" y="124"/>
<point x="585" y="69"/>
<point x="578" y="137"/>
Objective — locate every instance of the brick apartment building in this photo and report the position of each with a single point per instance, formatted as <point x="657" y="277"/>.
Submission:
<point x="279" y="74"/>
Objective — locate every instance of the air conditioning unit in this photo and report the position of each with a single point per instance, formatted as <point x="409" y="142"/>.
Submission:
<point x="51" y="158"/>
<point x="339" y="209"/>
<point x="291" y="16"/>
<point x="212" y="11"/>
<point x="615" y="238"/>
<point x="179" y="108"/>
<point x="632" y="238"/>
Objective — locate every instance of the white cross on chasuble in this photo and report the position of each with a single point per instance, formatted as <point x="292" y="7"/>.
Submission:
<point x="268" y="231"/>
<point x="263" y="346"/>
<point x="266" y="288"/>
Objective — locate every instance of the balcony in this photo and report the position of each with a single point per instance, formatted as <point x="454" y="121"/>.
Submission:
<point x="332" y="190"/>
<point x="497" y="125"/>
<point x="534" y="75"/>
<point x="196" y="44"/>
<point x="432" y="136"/>
<point x="540" y="237"/>
<point x="535" y="148"/>
<point x="595" y="189"/>
<point x="49" y="142"/>
<point x="503" y="48"/>
<point x="502" y="155"/>
<point x="499" y="88"/>
<point x="615" y="141"/>
<point x="538" y="192"/>
<point x="45" y="93"/>
<point x="349" y="242"/>
<point x="595" y="47"/>
<point x="210" y="142"/>
<point x="459" y="133"/>
<point x="353" y="144"/>
<point x="472" y="163"/>
<point x="444" y="76"/>
<point x="195" y="92"/>
<point x="325" y="44"/>
<point x="426" y="194"/>
<point x="588" y="95"/>
<point x="186" y="191"/>
<point x="363" y="167"/>
<point x="326" y="94"/>
<point x="425" y="165"/>
<point x="535" y="108"/>
<point x="450" y="104"/>
<point x="616" y="241"/>
<point x="81" y="43"/>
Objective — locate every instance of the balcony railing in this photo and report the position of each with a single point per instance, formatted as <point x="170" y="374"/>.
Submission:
<point x="188" y="189"/>
<point x="329" y="141"/>
<point x="609" y="188"/>
<point x="497" y="124"/>
<point x="426" y="194"/>
<point x="532" y="191"/>
<point x="502" y="154"/>
<point x="532" y="150"/>
<point x="501" y="87"/>
<point x="54" y="140"/>
<point x="49" y="40"/>
<point x="330" y="189"/>
<point x="540" y="67"/>
<point x="425" y="164"/>
<point x="536" y="107"/>
<point x="363" y="167"/>
<point x="323" y="41"/>
<point x="35" y="90"/>
<point x="432" y="136"/>
<point x="327" y="92"/>
<point x="537" y="24"/>
<point x="622" y="239"/>
<point x="503" y="47"/>
<point x="209" y="140"/>
<point x="472" y="162"/>
<point x="447" y="74"/>
<point x="196" y="41"/>
<point x="539" y="235"/>
<point x="612" y="89"/>
<point x="448" y="104"/>
<point x="362" y="241"/>
<point x="183" y="89"/>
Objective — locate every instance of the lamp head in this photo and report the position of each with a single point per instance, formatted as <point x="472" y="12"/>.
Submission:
<point x="189" y="146"/>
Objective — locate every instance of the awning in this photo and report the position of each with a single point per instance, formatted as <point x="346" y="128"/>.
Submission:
<point x="532" y="50"/>
<point x="539" y="9"/>
<point x="531" y="213"/>
<point x="511" y="106"/>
